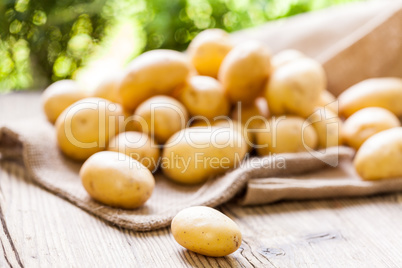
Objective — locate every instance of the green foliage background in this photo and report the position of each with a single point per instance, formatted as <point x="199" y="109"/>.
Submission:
<point x="47" y="40"/>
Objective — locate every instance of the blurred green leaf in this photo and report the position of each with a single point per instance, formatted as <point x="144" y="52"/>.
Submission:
<point x="44" y="41"/>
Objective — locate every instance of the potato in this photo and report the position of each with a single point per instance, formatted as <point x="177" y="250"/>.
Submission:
<point x="380" y="156"/>
<point x="286" y="56"/>
<point x="326" y="98"/>
<point x="204" y="96"/>
<point x="208" y="49"/>
<point x="109" y="89"/>
<point x="376" y="92"/>
<point x="289" y="134"/>
<point x="137" y="145"/>
<point x="85" y="127"/>
<point x="195" y="154"/>
<point x="365" y="123"/>
<point x="206" y="231"/>
<point x="328" y="127"/>
<point x="252" y="115"/>
<point x="58" y="96"/>
<point x="155" y="72"/>
<point x="162" y="116"/>
<point x="117" y="180"/>
<point x="295" y="88"/>
<point x="328" y="101"/>
<point x="228" y="123"/>
<point x="244" y="71"/>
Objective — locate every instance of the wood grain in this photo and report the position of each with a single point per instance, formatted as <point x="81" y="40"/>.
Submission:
<point x="41" y="230"/>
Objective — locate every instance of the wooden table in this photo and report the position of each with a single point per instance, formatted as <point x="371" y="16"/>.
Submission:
<point x="39" y="229"/>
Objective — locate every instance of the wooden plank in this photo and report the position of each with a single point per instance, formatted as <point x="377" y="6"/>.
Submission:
<point x="48" y="231"/>
<point x="363" y="232"/>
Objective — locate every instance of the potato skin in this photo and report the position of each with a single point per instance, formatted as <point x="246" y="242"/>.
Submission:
<point x="153" y="73"/>
<point x="380" y="156"/>
<point x="117" y="180"/>
<point x="206" y="231"/>
<point x="251" y="115"/>
<point x="204" y="96"/>
<point x="376" y="92"/>
<point x="284" y="135"/>
<point x="244" y="71"/>
<point x="163" y="116"/>
<point x="85" y="127"/>
<point x="208" y="49"/>
<point x="286" y="56"/>
<point x="328" y="127"/>
<point x="139" y="146"/>
<point x="365" y="123"/>
<point x="295" y="88"/>
<point x="58" y="96"/>
<point x="195" y="154"/>
<point x="109" y="89"/>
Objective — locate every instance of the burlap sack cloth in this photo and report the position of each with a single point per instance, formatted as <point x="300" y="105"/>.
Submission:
<point x="353" y="42"/>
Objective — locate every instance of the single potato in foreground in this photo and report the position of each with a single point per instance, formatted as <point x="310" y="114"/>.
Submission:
<point x="85" y="127"/>
<point x="380" y="156"/>
<point x="365" y="123"/>
<point x="58" y="96"/>
<point x="383" y="92"/>
<point x="206" y="231"/>
<point x="117" y="180"/>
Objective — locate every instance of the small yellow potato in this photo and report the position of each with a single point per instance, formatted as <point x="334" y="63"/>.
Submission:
<point x="328" y="127"/>
<point x="161" y="116"/>
<point x="85" y="127"/>
<point x="295" y="88"/>
<point x="117" y="180"/>
<point x="251" y="116"/>
<point x="193" y="155"/>
<point x="139" y="146"/>
<point x="204" y="96"/>
<point x="109" y="89"/>
<point x="208" y="49"/>
<point x="130" y="123"/>
<point x="376" y="92"/>
<point x="328" y="101"/>
<point x="244" y="71"/>
<point x="248" y="134"/>
<point x="380" y="156"/>
<point x="326" y="98"/>
<point x="206" y="231"/>
<point x="288" y="134"/>
<point x="286" y="56"/>
<point x="155" y="72"/>
<point x="58" y="96"/>
<point x="365" y="123"/>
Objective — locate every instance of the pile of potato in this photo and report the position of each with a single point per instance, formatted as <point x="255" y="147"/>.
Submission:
<point x="197" y="114"/>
